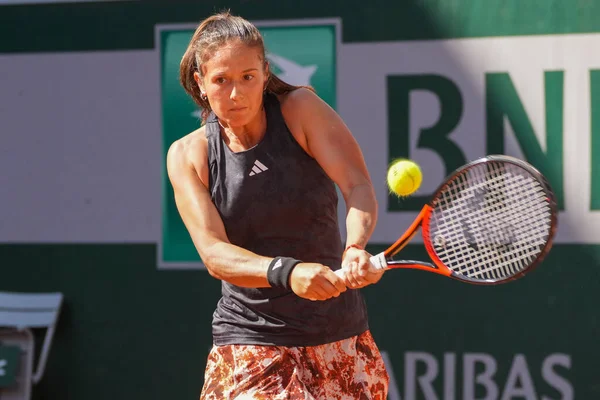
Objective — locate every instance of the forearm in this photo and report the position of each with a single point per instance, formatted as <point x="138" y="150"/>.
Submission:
<point x="236" y="265"/>
<point x="361" y="216"/>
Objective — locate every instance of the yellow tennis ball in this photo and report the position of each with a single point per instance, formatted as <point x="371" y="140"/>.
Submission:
<point x="404" y="177"/>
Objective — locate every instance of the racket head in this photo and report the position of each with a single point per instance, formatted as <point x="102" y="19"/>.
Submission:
<point x="492" y="221"/>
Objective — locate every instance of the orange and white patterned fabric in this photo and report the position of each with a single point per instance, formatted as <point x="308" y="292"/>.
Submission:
<point x="350" y="369"/>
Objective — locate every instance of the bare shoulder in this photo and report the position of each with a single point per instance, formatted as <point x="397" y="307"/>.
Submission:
<point x="188" y="148"/>
<point x="299" y="101"/>
<point x="305" y="108"/>
<point x="189" y="153"/>
<point x="302" y="110"/>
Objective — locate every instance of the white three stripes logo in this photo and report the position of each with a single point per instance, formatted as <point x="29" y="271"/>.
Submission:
<point x="257" y="168"/>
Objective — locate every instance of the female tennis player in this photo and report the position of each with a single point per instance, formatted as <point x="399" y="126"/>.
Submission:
<point x="255" y="187"/>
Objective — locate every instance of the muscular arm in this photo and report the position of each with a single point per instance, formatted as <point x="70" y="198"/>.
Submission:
<point x="329" y="141"/>
<point x="361" y="217"/>
<point x="223" y="260"/>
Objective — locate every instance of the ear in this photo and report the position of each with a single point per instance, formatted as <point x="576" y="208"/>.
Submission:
<point x="199" y="82"/>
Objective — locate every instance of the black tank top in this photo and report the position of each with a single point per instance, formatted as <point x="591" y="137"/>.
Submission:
<point x="276" y="200"/>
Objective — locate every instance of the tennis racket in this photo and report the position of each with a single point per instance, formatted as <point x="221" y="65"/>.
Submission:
<point x="492" y="221"/>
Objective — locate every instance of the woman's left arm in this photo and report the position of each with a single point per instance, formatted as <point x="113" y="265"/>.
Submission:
<point x="325" y="137"/>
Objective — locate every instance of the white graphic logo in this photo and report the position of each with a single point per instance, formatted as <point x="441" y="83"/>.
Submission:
<point x="278" y="264"/>
<point x="291" y="72"/>
<point x="257" y="168"/>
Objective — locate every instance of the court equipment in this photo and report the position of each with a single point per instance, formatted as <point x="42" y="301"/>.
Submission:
<point x="492" y="221"/>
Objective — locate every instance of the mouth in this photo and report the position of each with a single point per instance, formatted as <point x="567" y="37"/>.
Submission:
<point x="237" y="109"/>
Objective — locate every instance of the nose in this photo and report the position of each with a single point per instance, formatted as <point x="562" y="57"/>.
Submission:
<point x="236" y="92"/>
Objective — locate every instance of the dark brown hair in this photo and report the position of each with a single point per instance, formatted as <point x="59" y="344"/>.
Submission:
<point x="212" y="33"/>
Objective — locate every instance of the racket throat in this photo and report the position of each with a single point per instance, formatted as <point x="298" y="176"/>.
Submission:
<point x="379" y="261"/>
<point x="408" y="234"/>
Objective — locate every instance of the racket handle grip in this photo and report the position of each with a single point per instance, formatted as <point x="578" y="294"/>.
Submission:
<point x="377" y="262"/>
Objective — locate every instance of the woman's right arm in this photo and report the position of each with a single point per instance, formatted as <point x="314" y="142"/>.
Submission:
<point x="224" y="260"/>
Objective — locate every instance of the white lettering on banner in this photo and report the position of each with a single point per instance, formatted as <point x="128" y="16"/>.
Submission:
<point x="519" y="373"/>
<point x="424" y="381"/>
<point x="537" y="72"/>
<point x="480" y="378"/>
<point x="484" y="378"/>
<point x="560" y="384"/>
<point x="449" y="375"/>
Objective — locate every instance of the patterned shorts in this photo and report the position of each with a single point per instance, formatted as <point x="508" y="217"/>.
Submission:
<point x="350" y="369"/>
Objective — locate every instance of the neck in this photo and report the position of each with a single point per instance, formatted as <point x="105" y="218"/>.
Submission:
<point x="244" y="137"/>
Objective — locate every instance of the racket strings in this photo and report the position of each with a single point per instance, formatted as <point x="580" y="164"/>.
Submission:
<point x="490" y="222"/>
<point x="518" y="255"/>
<point x="490" y="256"/>
<point x="497" y="263"/>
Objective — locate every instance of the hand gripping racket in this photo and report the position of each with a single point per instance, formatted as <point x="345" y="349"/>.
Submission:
<point x="490" y="222"/>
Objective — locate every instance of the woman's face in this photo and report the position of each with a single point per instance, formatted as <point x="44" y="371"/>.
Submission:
<point x="234" y="79"/>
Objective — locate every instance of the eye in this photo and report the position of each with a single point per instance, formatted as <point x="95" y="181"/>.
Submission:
<point x="220" y="80"/>
<point x="248" y="77"/>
